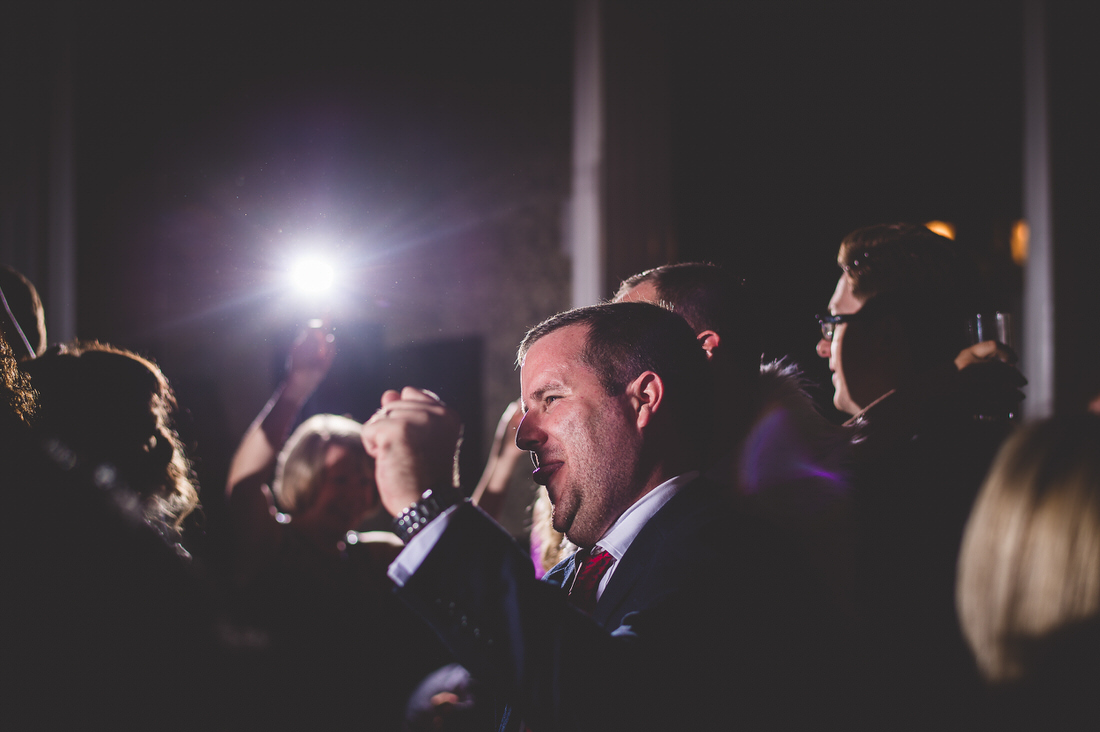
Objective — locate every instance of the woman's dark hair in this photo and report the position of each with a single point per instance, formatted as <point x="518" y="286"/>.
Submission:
<point x="109" y="409"/>
<point x="16" y="394"/>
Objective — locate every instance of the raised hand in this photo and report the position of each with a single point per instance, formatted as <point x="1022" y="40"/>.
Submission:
<point x="413" y="439"/>
<point x="985" y="352"/>
<point x="310" y="359"/>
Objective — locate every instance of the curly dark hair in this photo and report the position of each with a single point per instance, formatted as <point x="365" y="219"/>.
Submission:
<point x="24" y="306"/>
<point x="16" y="394"/>
<point x="111" y="407"/>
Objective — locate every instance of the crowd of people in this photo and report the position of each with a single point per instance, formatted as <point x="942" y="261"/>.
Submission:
<point x="707" y="550"/>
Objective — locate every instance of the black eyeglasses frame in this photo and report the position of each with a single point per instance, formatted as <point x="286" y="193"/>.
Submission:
<point x="829" y="323"/>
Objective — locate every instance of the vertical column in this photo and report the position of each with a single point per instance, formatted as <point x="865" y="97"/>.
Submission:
<point x="1038" y="307"/>
<point x="61" y="207"/>
<point x="586" y="235"/>
<point x="638" y="221"/>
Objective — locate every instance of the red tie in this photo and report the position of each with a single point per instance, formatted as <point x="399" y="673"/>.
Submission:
<point x="594" y="565"/>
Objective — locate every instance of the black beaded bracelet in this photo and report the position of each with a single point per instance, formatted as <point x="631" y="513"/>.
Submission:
<point x="432" y="503"/>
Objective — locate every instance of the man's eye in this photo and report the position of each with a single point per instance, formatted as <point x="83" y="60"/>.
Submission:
<point x="550" y="399"/>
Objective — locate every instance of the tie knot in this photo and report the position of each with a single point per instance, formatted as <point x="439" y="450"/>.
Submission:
<point x="597" y="555"/>
<point x="593" y="566"/>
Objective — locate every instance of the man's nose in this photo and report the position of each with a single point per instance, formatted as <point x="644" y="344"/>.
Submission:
<point x="528" y="434"/>
<point x="824" y="348"/>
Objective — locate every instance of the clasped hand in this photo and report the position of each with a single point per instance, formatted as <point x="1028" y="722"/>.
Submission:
<point x="413" y="439"/>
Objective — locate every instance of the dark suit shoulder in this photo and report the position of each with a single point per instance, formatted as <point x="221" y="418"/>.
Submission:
<point x="664" y="559"/>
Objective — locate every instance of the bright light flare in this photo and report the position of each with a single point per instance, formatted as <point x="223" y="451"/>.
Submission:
<point x="312" y="276"/>
<point x="943" y="228"/>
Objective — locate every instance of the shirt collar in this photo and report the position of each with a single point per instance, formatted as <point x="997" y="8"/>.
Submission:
<point x="621" y="534"/>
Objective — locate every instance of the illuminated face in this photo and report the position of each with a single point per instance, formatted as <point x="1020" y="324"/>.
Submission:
<point x="585" y="443"/>
<point x="347" y="492"/>
<point x="843" y="302"/>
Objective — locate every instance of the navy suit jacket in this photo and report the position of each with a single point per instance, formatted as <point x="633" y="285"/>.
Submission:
<point x="687" y="622"/>
<point x="675" y="537"/>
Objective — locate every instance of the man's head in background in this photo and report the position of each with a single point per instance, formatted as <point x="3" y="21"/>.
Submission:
<point x="727" y="319"/>
<point x="716" y="305"/>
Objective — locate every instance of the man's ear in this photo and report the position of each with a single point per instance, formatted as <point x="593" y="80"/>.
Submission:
<point x="709" y="341"/>
<point x="647" y="393"/>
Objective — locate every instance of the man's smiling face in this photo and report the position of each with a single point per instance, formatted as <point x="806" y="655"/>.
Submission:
<point x="585" y="442"/>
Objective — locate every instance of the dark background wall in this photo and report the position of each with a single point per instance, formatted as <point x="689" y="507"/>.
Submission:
<point x="427" y="145"/>
<point x="799" y="122"/>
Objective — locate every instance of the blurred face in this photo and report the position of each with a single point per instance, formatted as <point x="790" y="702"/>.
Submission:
<point x="347" y="493"/>
<point x="585" y="443"/>
<point x="843" y="302"/>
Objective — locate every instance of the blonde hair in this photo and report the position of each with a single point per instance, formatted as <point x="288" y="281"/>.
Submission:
<point x="1029" y="567"/>
<point x="552" y="544"/>
<point x="301" y="464"/>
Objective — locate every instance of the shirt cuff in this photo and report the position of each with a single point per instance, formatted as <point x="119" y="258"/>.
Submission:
<point x="418" y="548"/>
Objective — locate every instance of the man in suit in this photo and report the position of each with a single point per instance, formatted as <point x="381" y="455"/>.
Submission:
<point x="690" y="617"/>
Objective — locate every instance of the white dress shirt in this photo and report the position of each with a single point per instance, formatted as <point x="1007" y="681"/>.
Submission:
<point x="622" y="533"/>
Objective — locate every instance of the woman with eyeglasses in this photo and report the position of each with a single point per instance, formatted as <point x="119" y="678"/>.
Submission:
<point x="894" y="335"/>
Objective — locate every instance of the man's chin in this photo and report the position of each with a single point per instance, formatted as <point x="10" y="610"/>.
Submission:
<point x="560" y="525"/>
<point x="844" y="404"/>
<point x="840" y="398"/>
<point x="578" y="534"/>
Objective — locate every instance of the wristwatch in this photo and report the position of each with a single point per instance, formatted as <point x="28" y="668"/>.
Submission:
<point x="431" y="505"/>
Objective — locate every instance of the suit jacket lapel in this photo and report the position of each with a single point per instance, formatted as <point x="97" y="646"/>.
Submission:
<point x="634" y="565"/>
<point x="645" y="550"/>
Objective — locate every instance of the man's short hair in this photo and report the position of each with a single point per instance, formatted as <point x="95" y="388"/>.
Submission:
<point x="907" y="257"/>
<point x="934" y="330"/>
<point x="626" y="339"/>
<point x="708" y="297"/>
